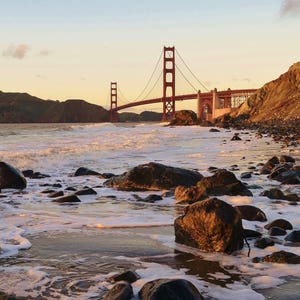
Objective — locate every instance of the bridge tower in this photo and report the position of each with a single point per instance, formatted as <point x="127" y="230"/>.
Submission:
<point x="169" y="83"/>
<point x="113" y="102"/>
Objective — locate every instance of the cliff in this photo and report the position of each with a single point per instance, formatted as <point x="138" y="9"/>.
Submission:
<point x="24" y="108"/>
<point x="278" y="100"/>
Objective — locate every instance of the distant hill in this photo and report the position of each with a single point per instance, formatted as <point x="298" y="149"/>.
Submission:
<point x="24" y="108"/>
<point x="145" y="116"/>
<point x="278" y="100"/>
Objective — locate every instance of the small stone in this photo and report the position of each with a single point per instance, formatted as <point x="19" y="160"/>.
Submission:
<point x="281" y="223"/>
<point x="293" y="237"/>
<point x="85" y="172"/>
<point x="263" y="243"/>
<point x="128" y="276"/>
<point x="56" y="194"/>
<point x="67" y="199"/>
<point x="246" y="175"/>
<point x="86" y="191"/>
<point x="251" y="213"/>
<point x="276" y="231"/>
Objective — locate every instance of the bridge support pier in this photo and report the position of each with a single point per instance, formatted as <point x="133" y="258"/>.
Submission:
<point x="113" y="102"/>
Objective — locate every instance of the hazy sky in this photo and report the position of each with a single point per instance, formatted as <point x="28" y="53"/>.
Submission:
<point x="61" y="49"/>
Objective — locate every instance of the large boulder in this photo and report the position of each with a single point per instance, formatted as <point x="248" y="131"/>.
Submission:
<point x="223" y="182"/>
<point x="184" y="118"/>
<point x="189" y="194"/>
<point x="154" y="177"/>
<point x="211" y="225"/>
<point x="120" y="291"/>
<point x="169" y="289"/>
<point x="11" y="178"/>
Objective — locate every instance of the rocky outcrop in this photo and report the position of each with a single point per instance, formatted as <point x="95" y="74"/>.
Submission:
<point x="11" y="178"/>
<point x="169" y="289"/>
<point x="24" y="108"/>
<point x="210" y="225"/>
<point x="153" y="176"/>
<point x="184" y="118"/>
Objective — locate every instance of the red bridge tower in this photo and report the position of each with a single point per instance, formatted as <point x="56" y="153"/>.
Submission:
<point x="113" y="102"/>
<point x="169" y="83"/>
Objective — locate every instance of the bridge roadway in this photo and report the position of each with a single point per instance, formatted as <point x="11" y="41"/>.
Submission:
<point x="203" y="96"/>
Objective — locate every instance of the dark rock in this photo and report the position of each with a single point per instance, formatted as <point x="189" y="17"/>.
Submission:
<point x="107" y="175"/>
<point x="293" y="237"/>
<point x="276" y="231"/>
<point x="280" y="172"/>
<point x="38" y="175"/>
<point x="150" y="198"/>
<point x="184" y="118"/>
<point x="263" y="243"/>
<point x="67" y="199"/>
<point x="168" y="194"/>
<point x="292" y="197"/>
<point x="153" y="176"/>
<point x="223" y="182"/>
<point x="236" y="137"/>
<point x="212" y="169"/>
<point x="169" y="289"/>
<point x="269" y="165"/>
<point x="249" y="233"/>
<point x="280" y="257"/>
<point x="273" y="194"/>
<point x="56" y="194"/>
<point x="70" y="188"/>
<point x="210" y="225"/>
<point x="48" y="191"/>
<point x="11" y="178"/>
<point x="87" y="191"/>
<point x="27" y="173"/>
<point x="85" y="172"/>
<point x="57" y="185"/>
<point x="128" y="276"/>
<point x="120" y="291"/>
<point x="246" y="175"/>
<point x="286" y="158"/>
<point x="214" y="130"/>
<point x="189" y="194"/>
<point x="251" y="213"/>
<point x="281" y="223"/>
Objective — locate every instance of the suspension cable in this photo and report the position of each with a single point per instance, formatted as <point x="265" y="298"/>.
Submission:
<point x="191" y="71"/>
<point x="177" y="68"/>
<point x="122" y="95"/>
<point x="159" y="77"/>
<point x="150" y="78"/>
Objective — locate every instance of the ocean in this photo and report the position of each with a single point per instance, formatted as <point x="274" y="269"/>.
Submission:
<point x="54" y="251"/>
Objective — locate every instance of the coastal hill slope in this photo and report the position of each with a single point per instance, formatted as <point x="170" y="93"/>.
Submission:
<point x="24" y="108"/>
<point x="278" y="100"/>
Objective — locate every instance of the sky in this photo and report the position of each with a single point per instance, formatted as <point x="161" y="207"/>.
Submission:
<point x="73" y="49"/>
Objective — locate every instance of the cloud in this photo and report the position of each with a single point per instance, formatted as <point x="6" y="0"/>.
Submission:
<point x="290" y="8"/>
<point x="18" y="51"/>
<point x="45" y="52"/>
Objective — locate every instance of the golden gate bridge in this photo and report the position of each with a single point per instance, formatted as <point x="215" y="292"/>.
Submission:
<point x="210" y="104"/>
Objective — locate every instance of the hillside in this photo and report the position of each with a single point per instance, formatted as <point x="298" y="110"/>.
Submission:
<point x="278" y="100"/>
<point x="24" y="108"/>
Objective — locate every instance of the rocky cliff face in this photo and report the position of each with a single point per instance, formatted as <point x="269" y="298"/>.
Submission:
<point x="278" y="100"/>
<point x="24" y="108"/>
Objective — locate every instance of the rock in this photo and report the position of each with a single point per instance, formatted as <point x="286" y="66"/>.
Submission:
<point x="128" y="276"/>
<point x="153" y="176"/>
<point x="246" y="175"/>
<point x="87" y="191"/>
<point x="212" y="169"/>
<point x="211" y="225"/>
<point x="214" y="130"/>
<point x="56" y="194"/>
<point x="236" y="137"/>
<point x="269" y="165"/>
<point x="279" y="172"/>
<point x="223" y="182"/>
<point x="57" y="185"/>
<point x="184" y="118"/>
<point x="85" y="172"/>
<point x="273" y="194"/>
<point x="27" y="173"/>
<point x="150" y="198"/>
<point x="120" y="291"/>
<point x="48" y="191"/>
<point x="107" y="175"/>
<point x="38" y="175"/>
<point x="11" y="178"/>
<point x="189" y="194"/>
<point x="263" y="243"/>
<point x="276" y="231"/>
<point x="67" y="199"/>
<point x="280" y="257"/>
<point x="293" y="237"/>
<point x="292" y="197"/>
<point x="286" y="158"/>
<point x="249" y="233"/>
<point x="169" y="289"/>
<point x="281" y="223"/>
<point x="168" y="193"/>
<point x="70" y="188"/>
<point x="251" y="213"/>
